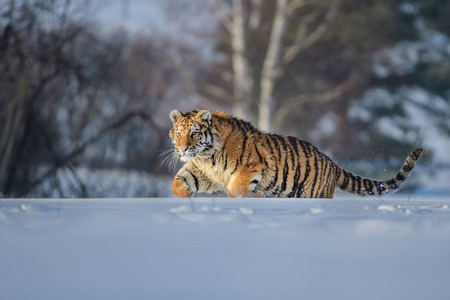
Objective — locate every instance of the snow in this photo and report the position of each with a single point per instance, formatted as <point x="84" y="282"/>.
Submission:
<point x="104" y="183"/>
<point x="220" y="248"/>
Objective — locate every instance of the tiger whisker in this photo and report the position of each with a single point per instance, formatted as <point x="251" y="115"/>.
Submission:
<point x="166" y="152"/>
<point x="171" y="159"/>
<point x="174" y="162"/>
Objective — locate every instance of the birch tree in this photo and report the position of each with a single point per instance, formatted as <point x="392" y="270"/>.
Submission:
<point x="234" y="23"/>
<point x="253" y="86"/>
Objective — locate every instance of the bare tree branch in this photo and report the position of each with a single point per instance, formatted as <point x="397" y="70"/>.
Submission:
<point x="291" y="52"/>
<point x="92" y="140"/>
<point x="224" y="17"/>
<point x="329" y="96"/>
<point x="218" y="92"/>
<point x="255" y="15"/>
<point x="293" y="5"/>
<point x="13" y="118"/>
<point x="302" y="41"/>
<point x="187" y="78"/>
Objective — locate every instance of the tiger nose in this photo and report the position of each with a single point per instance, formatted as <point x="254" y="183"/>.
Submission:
<point x="183" y="149"/>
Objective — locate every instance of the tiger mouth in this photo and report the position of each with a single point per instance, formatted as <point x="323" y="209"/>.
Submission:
<point x="192" y="153"/>
<point x="187" y="156"/>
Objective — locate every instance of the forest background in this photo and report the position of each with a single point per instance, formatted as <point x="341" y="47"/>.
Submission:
<point x="87" y="86"/>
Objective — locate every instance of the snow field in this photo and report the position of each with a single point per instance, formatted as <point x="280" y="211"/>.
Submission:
<point x="205" y="248"/>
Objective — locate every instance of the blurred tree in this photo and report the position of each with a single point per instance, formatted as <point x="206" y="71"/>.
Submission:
<point x="308" y="67"/>
<point x="287" y="59"/>
<point x="340" y="73"/>
<point x="71" y="98"/>
<point x="260" y="50"/>
<point x="338" y="70"/>
<point x="46" y="55"/>
<point x="434" y="12"/>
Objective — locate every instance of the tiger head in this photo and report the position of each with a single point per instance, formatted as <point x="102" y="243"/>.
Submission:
<point x="192" y="134"/>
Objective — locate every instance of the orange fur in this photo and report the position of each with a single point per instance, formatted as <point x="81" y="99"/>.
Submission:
<point x="226" y="154"/>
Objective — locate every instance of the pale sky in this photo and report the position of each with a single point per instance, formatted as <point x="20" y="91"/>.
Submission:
<point x="138" y="16"/>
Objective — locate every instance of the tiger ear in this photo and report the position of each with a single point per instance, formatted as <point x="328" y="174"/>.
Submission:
<point x="204" y="116"/>
<point x="175" y="115"/>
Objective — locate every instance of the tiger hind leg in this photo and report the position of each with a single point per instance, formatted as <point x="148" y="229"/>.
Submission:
<point x="244" y="183"/>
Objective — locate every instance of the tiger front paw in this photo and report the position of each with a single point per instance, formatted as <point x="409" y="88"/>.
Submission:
<point x="180" y="188"/>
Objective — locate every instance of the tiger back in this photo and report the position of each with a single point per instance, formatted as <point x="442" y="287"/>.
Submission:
<point x="226" y="154"/>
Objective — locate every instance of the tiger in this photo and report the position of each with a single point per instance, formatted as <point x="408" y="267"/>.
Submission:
<point x="225" y="154"/>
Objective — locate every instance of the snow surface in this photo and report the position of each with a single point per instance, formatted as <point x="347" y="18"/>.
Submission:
<point x="205" y="248"/>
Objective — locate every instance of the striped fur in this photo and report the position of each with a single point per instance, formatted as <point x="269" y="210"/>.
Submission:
<point x="226" y="154"/>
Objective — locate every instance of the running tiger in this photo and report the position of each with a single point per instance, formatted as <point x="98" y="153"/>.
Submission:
<point x="226" y="154"/>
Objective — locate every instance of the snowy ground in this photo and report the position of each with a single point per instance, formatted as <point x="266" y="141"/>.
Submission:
<point x="203" y="248"/>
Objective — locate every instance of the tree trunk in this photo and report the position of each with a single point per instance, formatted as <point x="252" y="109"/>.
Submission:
<point x="270" y="68"/>
<point x="242" y="83"/>
<point x="13" y="120"/>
